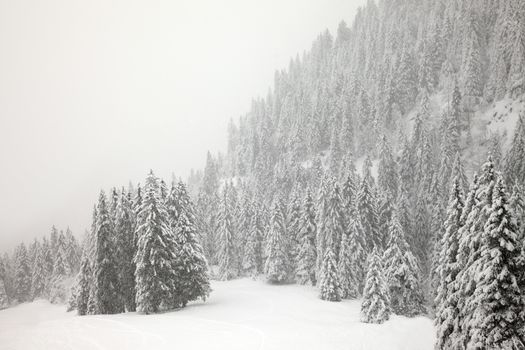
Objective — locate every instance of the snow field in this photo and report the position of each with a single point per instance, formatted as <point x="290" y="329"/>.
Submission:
<point x="240" y="314"/>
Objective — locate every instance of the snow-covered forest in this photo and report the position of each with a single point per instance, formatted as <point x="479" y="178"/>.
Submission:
<point x="385" y="166"/>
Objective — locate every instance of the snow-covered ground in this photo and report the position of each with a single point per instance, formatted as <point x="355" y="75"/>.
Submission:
<point x="241" y="314"/>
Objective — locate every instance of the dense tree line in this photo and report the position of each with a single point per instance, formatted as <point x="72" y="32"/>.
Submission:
<point x="143" y="252"/>
<point x="41" y="270"/>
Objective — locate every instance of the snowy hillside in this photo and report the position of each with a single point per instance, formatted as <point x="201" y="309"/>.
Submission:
<point x="241" y="314"/>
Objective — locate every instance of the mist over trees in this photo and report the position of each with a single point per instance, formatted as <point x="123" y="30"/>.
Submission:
<point x="367" y="171"/>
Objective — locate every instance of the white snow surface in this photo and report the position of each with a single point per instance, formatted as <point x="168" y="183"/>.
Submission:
<point x="241" y="314"/>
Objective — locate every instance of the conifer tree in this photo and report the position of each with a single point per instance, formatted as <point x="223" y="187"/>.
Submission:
<point x="306" y="256"/>
<point x="22" y="275"/>
<point x="448" y="269"/>
<point x="277" y="266"/>
<point x="475" y="215"/>
<point x="226" y="253"/>
<point x="155" y="260"/>
<point x="329" y="283"/>
<point x="38" y="278"/>
<point x="366" y="210"/>
<point x="107" y="299"/>
<point x="253" y="257"/>
<point x="4" y="301"/>
<point x="83" y="287"/>
<point x="346" y="272"/>
<point x="192" y="268"/>
<point x="498" y="321"/>
<point x="402" y="274"/>
<point x="125" y="249"/>
<point x="334" y="221"/>
<point x="375" y="307"/>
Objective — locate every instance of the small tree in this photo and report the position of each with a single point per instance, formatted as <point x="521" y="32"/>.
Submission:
<point x="375" y="307"/>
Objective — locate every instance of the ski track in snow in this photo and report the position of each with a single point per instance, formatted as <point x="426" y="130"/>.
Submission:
<point x="240" y="314"/>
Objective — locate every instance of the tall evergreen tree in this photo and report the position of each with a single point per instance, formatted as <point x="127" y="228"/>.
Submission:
<point x="155" y="259"/>
<point x="125" y="249"/>
<point x="448" y="269"/>
<point x="192" y="268"/>
<point x="22" y="275"/>
<point x="253" y="255"/>
<point x="306" y="256"/>
<point x="38" y="278"/>
<point x="227" y="256"/>
<point x="83" y="287"/>
<point x="402" y="274"/>
<point x="498" y="320"/>
<point x="106" y="277"/>
<point x="366" y="210"/>
<point x="277" y="266"/>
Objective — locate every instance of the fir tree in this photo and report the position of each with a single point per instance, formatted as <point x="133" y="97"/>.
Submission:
<point x="375" y="307"/>
<point x="22" y="275"/>
<point x="277" y="266"/>
<point x="448" y="269"/>
<point x="366" y="210"/>
<point x="402" y="274"/>
<point x="155" y="259"/>
<point x="306" y="257"/>
<point x="38" y="278"/>
<point x="252" y="259"/>
<point x="498" y="321"/>
<point x="106" y="277"/>
<point x="329" y="283"/>
<point x="348" y="282"/>
<point x="226" y="252"/>
<point x="4" y="301"/>
<point x="125" y="249"/>
<point x="192" y="268"/>
<point x="83" y="287"/>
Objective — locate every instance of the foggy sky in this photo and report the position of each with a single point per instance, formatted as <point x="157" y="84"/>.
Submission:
<point x="95" y="93"/>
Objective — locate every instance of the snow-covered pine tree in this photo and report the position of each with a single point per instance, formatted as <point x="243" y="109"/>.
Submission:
<point x="243" y="222"/>
<point x="277" y="266"/>
<point x="329" y="280"/>
<point x="448" y="268"/>
<point x="155" y="260"/>
<point x="22" y="275"/>
<point x="72" y="252"/>
<point x="83" y="286"/>
<point x="227" y="256"/>
<point x="346" y="270"/>
<point x="402" y="274"/>
<point x="192" y="268"/>
<point x="475" y="215"/>
<point x="375" y="307"/>
<point x="4" y="301"/>
<point x="39" y="277"/>
<point x="306" y="256"/>
<point x="107" y="300"/>
<point x="366" y="210"/>
<point x="293" y="227"/>
<point x="497" y="322"/>
<point x="253" y="258"/>
<point x="125" y="249"/>
<point x="334" y="221"/>
<point x="322" y="206"/>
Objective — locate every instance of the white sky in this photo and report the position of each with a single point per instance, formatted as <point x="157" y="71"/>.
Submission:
<point x="94" y="93"/>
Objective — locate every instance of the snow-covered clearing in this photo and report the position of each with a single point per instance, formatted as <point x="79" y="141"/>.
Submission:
<point x="241" y="314"/>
